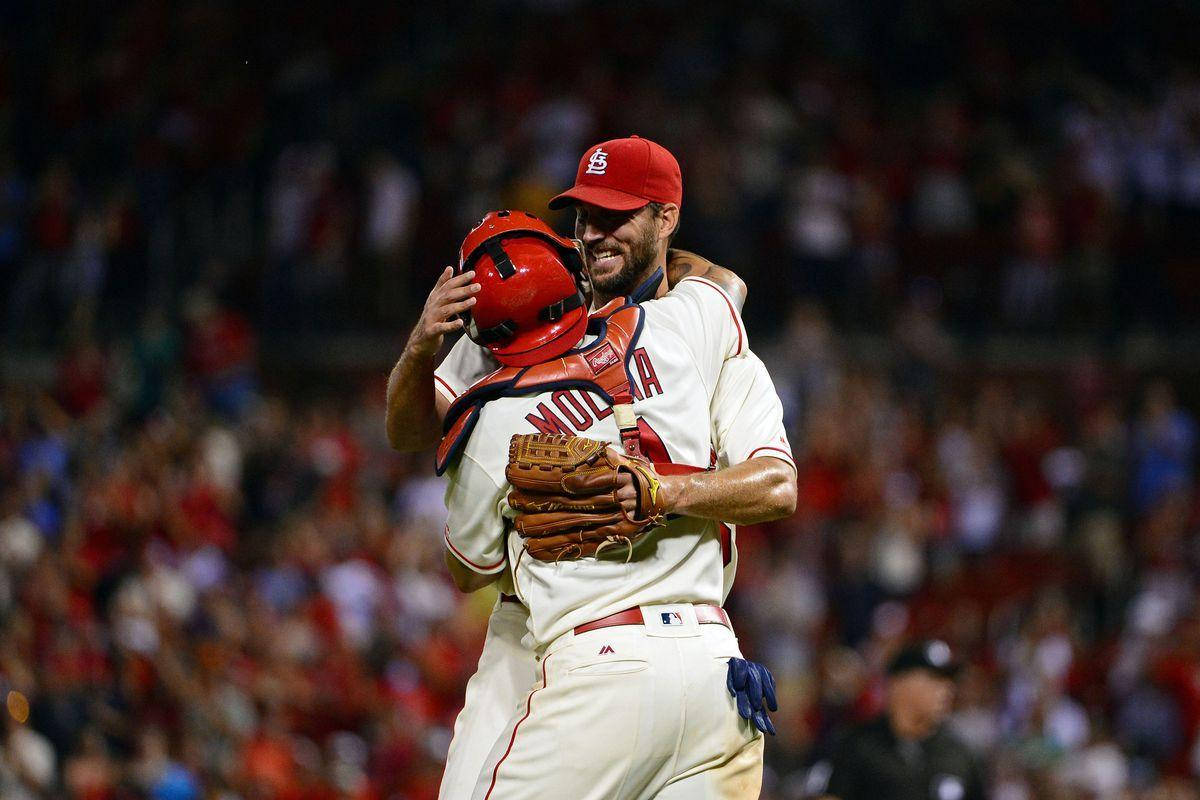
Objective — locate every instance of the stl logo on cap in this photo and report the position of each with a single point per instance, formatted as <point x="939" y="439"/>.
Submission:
<point x="598" y="163"/>
<point x="640" y="172"/>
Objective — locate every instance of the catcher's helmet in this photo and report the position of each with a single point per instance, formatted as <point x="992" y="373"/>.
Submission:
<point x="530" y="307"/>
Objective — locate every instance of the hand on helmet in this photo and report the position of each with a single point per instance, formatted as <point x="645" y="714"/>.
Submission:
<point x="451" y="295"/>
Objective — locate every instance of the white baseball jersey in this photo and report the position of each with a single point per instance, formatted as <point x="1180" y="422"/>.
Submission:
<point x="687" y="339"/>
<point x="464" y="366"/>
<point x="741" y="430"/>
<point x="507" y="669"/>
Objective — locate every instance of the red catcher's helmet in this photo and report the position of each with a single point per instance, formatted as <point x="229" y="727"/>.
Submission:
<point x="530" y="307"/>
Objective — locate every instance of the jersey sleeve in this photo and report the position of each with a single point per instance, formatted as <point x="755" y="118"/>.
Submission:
<point x="708" y="322"/>
<point x="475" y="530"/>
<point x="747" y="416"/>
<point x="462" y="368"/>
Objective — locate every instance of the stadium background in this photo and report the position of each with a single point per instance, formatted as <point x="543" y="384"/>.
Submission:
<point x="971" y="233"/>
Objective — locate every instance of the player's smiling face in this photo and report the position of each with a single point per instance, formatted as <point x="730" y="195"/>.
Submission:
<point x="619" y="247"/>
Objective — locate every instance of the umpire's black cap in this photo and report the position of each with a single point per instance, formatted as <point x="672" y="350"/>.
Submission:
<point x="931" y="654"/>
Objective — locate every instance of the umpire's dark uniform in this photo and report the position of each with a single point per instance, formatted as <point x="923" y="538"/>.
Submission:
<point x="872" y="763"/>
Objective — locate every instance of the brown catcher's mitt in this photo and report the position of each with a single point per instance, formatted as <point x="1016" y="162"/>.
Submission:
<point x="565" y="495"/>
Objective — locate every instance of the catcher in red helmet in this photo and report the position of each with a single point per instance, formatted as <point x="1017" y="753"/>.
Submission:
<point x="532" y="302"/>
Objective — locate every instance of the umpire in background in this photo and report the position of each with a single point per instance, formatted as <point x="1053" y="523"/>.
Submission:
<point x="907" y="753"/>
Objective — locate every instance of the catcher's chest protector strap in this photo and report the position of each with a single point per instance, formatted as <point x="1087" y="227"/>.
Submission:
<point x="601" y="367"/>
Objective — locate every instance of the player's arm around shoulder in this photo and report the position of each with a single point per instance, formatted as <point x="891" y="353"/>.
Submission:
<point x="759" y="482"/>
<point x="705" y="321"/>
<point x="759" y="485"/>
<point x="414" y="412"/>
<point x="686" y="264"/>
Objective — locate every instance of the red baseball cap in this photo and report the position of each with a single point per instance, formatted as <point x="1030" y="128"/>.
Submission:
<point x="624" y="174"/>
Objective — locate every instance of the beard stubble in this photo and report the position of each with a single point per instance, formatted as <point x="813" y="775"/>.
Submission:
<point x="636" y="269"/>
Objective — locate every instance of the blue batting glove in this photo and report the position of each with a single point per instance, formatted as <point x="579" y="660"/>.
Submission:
<point x="753" y="687"/>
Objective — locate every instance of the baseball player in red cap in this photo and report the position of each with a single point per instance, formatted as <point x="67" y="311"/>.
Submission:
<point x="627" y="195"/>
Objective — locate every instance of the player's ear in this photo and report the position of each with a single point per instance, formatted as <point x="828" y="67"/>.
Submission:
<point x="668" y="220"/>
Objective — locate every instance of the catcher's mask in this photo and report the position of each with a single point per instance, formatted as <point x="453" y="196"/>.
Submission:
<point x="531" y="306"/>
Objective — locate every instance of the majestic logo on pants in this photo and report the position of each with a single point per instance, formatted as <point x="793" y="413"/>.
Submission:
<point x="671" y="618"/>
<point x="606" y="650"/>
<point x="598" y="163"/>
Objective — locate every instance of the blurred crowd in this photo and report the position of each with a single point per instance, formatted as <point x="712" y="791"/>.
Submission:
<point x="214" y="589"/>
<point x="208" y="591"/>
<point x="1035" y="170"/>
<point x="216" y="581"/>
<point x="1043" y="524"/>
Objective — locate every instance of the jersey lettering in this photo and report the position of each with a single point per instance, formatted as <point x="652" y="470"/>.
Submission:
<point x="581" y="411"/>
<point x="597" y="412"/>
<point x="649" y="378"/>
<point x="546" y="421"/>
<point x="577" y="416"/>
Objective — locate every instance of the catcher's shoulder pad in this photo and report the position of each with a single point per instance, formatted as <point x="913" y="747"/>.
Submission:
<point x="601" y="367"/>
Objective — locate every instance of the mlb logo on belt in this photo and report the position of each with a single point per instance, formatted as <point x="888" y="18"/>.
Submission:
<point x="671" y="618"/>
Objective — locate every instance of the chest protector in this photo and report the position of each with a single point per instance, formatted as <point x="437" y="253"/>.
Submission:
<point x="601" y="367"/>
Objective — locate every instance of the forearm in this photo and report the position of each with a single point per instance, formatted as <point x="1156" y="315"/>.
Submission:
<point x="758" y="490"/>
<point x="411" y="417"/>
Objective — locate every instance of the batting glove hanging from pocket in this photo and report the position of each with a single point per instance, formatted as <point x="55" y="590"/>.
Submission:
<point x="753" y="686"/>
